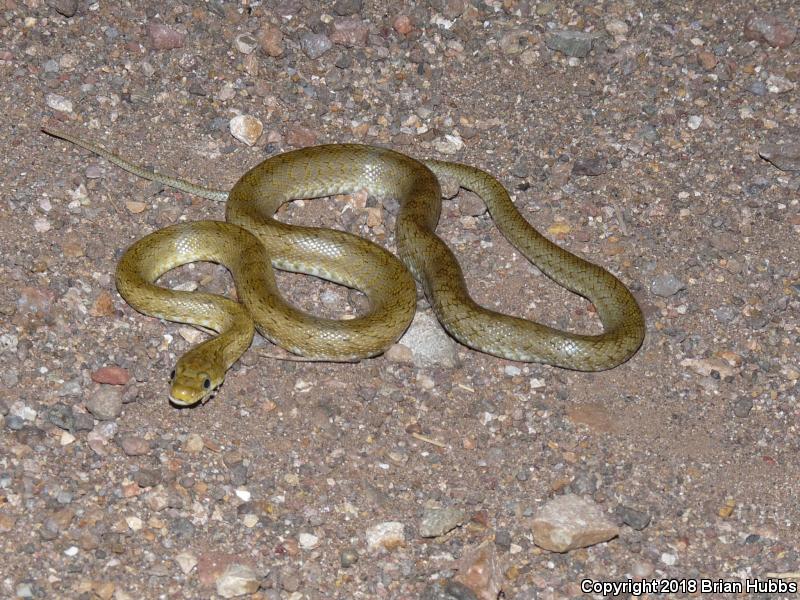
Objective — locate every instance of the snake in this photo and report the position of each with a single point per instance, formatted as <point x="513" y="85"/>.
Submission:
<point x="251" y="242"/>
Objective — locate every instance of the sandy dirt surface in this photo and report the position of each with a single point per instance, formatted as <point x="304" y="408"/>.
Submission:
<point x="629" y="132"/>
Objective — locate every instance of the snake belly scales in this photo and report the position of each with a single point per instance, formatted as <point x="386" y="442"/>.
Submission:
<point x="251" y="239"/>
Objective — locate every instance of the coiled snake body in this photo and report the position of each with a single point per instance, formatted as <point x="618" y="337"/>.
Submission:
<point x="251" y="239"/>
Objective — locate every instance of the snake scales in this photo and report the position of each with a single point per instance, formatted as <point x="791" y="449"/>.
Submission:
<point x="251" y="238"/>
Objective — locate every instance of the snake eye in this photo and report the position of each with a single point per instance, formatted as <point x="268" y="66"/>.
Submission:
<point x="172" y="375"/>
<point x="207" y="383"/>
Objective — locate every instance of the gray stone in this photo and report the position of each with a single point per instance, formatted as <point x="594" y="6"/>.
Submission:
<point x="346" y="8"/>
<point x="742" y="407"/>
<point x="66" y="8"/>
<point x="15" y="422"/>
<point x="315" y="45"/>
<point x="667" y="285"/>
<point x="571" y="43"/>
<point x="430" y="345"/>
<point x="438" y="521"/>
<point x="106" y="404"/>
<point x="635" y="519"/>
<point x="590" y="166"/>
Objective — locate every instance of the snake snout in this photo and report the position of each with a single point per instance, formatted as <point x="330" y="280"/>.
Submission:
<point x="183" y="396"/>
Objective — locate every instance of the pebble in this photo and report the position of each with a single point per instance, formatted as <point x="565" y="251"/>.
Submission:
<point x="590" y="166"/>
<point x="35" y="301"/>
<point x="403" y="24"/>
<point x="480" y="574"/>
<point x="757" y="88"/>
<point x="348" y="557"/>
<point x="666" y="285"/>
<point x="635" y="519"/>
<point x="83" y="421"/>
<point x="237" y="580"/>
<point x="59" y="103"/>
<point x="134" y="523"/>
<point x="14" y="423"/>
<point x="147" y="478"/>
<point x="707" y="60"/>
<point x="193" y="444"/>
<point x="617" y="27"/>
<point x="513" y="42"/>
<point x="247" y="129"/>
<point x="388" y="535"/>
<point x="785" y="156"/>
<point x="300" y="137"/>
<point x="577" y="44"/>
<point x="164" y="37"/>
<point x="106" y="403"/>
<point x="23" y="411"/>
<point x="346" y="8"/>
<point x="771" y="29"/>
<point x="429" y="343"/>
<point x="315" y="45"/>
<point x="694" y="121"/>
<point x="779" y="85"/>
<point x="742" y="407"/>
<point x="157" y="499"/>
<point x="186" y="561"/>
<point x="270" y="39"/>
<point x="438" y="521"/>
<point x="308" y="541"/>
<point x="352" y="33"/>
<point x="245" y="43"/>
<point x="133" y="445"/>
<point x="111" y="375"/>
<point x="399" y="353"/>
<point x="642" y="569"/>
<point x="66" y="8"/>
<point x="471" y="205"/>
<point x="100" y="435"/>
<point x="449" y="144"/>
<point x="568" y="522"/>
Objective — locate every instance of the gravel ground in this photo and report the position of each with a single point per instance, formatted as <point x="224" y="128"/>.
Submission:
<point x="634" y="133"/>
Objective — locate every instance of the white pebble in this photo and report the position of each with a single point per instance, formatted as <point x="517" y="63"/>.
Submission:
<point x="668" y="559"/>
<point x="512" y="370"/>
<point x="246" y="43"/>
<point x="71" y="551"/>
<point x="695" y="121"/>
<point x="536" y="383"/>
<point x="250" y="521"/>
<point x="186" y="561"/>
<point x="41" y="225"/>
<point x="58" y="103"/>
<point x="23" y="411"/>
<point x="246" y="129"/>
<point x="387" y="535"/>
<point x="308" y="541"/>
<point x="243" y="495"/>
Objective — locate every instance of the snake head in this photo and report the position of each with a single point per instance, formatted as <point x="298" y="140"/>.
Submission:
<point x="191" y="385"/>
